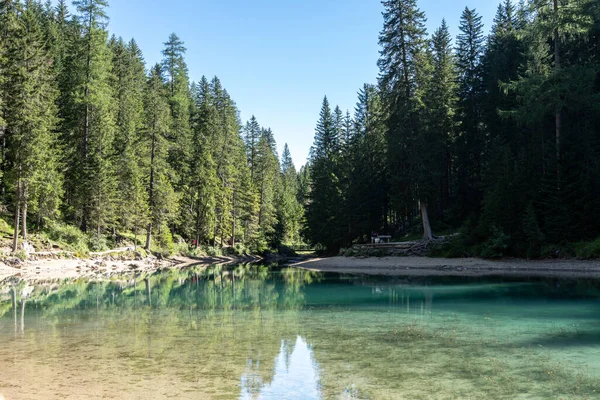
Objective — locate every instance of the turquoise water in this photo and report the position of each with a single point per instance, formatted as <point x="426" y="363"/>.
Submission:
<point x="255" y="332"/>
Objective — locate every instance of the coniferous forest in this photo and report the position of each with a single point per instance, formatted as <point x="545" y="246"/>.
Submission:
<point x="494" y="134"/>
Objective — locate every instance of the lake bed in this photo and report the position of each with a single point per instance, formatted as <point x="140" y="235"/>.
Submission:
<point x="255" y="331"/>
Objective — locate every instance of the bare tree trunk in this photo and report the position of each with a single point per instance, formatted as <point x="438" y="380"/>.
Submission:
<point x="148" y="236"/>
<point x="427" y="233"/>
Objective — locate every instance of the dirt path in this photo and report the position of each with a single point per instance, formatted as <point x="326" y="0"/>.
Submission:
<point x="423" y="266"/>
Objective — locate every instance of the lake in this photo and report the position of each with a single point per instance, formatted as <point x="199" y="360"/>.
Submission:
<point x="259" y="332"/>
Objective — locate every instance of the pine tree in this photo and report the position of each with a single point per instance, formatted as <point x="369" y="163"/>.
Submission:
<point x="404" y="64"/>
<point x="92" y="180"/>
<point x="129" y="82"/>
<point x="251" y="138"/>
<point x="8" y="25"/>
<point x="368" y="195"/>
<point x="176" y="78"/>
<point x="204" y="183"/>
<point x="289" y="210"/>
<point x="267" y="180"/>
<point x="325" y="197"/>
<point x="162" y="200"/>
<point x="30" y="119"/>
<point x="441" y="103"/>
<point x="470" y="143"/>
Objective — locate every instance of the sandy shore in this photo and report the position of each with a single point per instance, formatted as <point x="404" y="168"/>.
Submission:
<point x="99" y="267"/>
<point x="423" y="266"/>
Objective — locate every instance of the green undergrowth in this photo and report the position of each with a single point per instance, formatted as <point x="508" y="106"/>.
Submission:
<point x="68" y="241"/>
<point x="498" y="246"/>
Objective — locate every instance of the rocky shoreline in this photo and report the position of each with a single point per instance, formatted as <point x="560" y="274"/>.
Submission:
<point x="101" y="266"/>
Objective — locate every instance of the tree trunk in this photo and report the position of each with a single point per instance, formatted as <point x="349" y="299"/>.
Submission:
<point x="24" y="212"/>
<point x="86" y="126"/>
<point x="198" y="220"/>
<point x="17" y="215"/>
<point x="148" y="237"/>
<point x="151" y="194"/>
<point x="558" y="116"/>
<point x="233" y="222"/>
<point x="427" y="233"/>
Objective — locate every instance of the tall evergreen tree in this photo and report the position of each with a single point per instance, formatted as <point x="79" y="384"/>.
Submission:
<point x="162" y="200"/>
<point x="325" y="198"/>
<point x="31" y="119"/>
<point x="251" y="138"/>
<point x="470" y="45"/>
<point x="441" y="100"/>
<point x="129" y="82"/>
<point x="289" y="210"/>
<point x="92" y="179"/>
<point x="176" y="78"/>
<point x="267" y="180"/>
<point x="367" y="199"/>
<point x="404" y="64"/>
<point x="204" y="182"/>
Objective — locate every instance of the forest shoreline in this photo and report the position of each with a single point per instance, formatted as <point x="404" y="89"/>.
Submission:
<point x="468" y="267"/>
<point x="52" y="269"/>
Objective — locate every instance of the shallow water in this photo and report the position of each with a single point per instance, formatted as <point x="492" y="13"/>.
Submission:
<point x="260" y="333"/>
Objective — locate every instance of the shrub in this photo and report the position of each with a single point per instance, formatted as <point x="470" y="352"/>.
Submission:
<point x="164" y="241"/>
<point x="67" y="235"/>
<point x="5" y="227"/>
<point x="588" y="249"/>
<point x="212" y="251"/>
<point x="496" y="245"/>
<point x="98" y="242"/>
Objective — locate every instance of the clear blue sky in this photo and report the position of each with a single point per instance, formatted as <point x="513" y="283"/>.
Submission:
<point x="277" y="59"/>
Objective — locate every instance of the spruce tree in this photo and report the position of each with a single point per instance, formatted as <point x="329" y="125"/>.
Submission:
<point x="404" y="65"/>
<point x="325" y="196"/>
<point x="251" y="138"/>
<point x="176" y="78"/>
<point x="289" y="210"/>
<point x="129" y="81"/>
<point x="368" y="195"/>
<point x="30" y="118"/>
<point x="204" y="182"/>
<point x="162" y="200"/>
<point x="441" y="101"/>
<point x="470" y="45"/>
<point x="267" y="180"/>
<point x="91" y="120"/>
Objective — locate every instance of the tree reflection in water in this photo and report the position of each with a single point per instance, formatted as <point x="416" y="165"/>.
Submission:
<point x="255" y="332"/>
